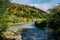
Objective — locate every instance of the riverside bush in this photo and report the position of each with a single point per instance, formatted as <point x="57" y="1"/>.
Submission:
<point x="40" y="24"/>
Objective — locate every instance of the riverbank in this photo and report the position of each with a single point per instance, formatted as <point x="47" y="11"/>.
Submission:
<point x="22" y="21"/>
<point x="12" y="35"/>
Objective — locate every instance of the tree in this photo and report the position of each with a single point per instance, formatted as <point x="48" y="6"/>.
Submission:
<point x="55" y="18"/>
<point x="3" y="16"/>
<point x="54" y="22"/>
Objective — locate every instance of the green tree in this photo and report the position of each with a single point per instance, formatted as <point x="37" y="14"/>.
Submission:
<point x="55" y="18"/>
<point x="3" y="16"/>
<point x="54" y="22"/>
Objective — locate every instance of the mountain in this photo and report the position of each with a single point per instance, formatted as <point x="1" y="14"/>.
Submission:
<point x="25" y="11"/>
<point x="15" y="13"/>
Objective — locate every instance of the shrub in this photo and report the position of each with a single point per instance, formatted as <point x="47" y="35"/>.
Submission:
<point x="40" y="24"/>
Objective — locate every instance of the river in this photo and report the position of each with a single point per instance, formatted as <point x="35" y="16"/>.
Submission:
<point x="30" y="32"/>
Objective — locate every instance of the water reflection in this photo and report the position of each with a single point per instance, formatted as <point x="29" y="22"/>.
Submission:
<point x="34" y="34"/>
<point x="30" y="32"/>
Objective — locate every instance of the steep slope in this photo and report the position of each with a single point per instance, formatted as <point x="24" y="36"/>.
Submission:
<point x="16" y="13"/>
<point x="25" y="11"/>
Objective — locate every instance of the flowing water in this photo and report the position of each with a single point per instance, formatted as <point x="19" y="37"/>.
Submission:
<point x="30" y="32"/>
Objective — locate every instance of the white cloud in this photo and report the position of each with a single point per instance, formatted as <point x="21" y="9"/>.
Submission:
<point x="44" y="6"/>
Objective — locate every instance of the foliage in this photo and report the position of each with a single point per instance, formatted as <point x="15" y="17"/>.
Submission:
<point x="25" y="11"/>
<point x="14" y="13"/>
<point x="3" y="16"/>
<point x="54" y="21"/>
<point x="40" y="23"/>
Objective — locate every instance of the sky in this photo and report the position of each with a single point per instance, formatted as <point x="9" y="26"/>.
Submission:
<point x="41" y="4"/>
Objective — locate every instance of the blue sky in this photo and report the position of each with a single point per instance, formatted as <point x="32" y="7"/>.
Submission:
<point x="41" y="4"/>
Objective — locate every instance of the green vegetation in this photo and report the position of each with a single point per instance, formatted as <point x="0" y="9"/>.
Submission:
<point x="52" y="22"/>
<point x="55" y="18"/>
<point x="19" y="14"/>
<point x="3" y="17"/>
<point x="12" y="13"/>
<point x="24" y="11"/>
<point x="40" y="23"/>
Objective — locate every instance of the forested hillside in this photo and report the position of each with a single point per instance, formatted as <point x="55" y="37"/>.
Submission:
<point x="12" y="14"/>
<point x="25" y="11"/>
<point x="53" y="20"/>
<point x="17" y="13"/>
